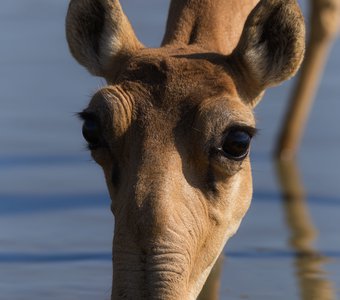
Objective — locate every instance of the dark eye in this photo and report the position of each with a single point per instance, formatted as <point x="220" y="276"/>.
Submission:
<point x="236" y="144"/>
<point x="91" y="133"/>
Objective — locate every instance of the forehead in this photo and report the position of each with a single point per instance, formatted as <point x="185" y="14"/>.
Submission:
<point x="169" y="84"/>
<point x="179" y="71"/>
<point x="182" y="78"/>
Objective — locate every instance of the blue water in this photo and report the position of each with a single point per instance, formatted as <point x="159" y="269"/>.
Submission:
<point x="55" y="223"/>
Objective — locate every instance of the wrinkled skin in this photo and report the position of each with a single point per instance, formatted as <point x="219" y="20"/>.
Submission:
<point x="175" y="203"/>
<point x="159" y="130"/>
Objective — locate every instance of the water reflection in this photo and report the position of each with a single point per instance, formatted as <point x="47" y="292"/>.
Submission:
<point x="324" y="24"/>
<point x="309" y="263"/>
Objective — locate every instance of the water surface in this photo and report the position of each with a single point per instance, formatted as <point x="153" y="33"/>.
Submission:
<point x="55" y="223"/>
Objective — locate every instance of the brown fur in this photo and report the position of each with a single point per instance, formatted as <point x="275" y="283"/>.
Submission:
<point x="161" y="118"/>
<point x="214" y="24"/>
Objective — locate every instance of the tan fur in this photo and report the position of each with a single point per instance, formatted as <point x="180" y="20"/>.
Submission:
<point x="165" y="111"/>
<point x="214" y="24"/>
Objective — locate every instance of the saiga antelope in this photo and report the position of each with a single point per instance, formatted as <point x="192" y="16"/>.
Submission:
<point x="172" y="129"/>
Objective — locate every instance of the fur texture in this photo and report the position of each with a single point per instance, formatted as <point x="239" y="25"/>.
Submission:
<point x="159" y="127"/>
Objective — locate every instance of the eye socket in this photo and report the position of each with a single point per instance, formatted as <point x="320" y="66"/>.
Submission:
<point x="91" y="133"/>
<point x="236" y="144"/>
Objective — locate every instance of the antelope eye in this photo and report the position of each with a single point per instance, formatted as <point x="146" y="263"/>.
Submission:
<point x="236" y="144"/>
<point x="91" y="133"/>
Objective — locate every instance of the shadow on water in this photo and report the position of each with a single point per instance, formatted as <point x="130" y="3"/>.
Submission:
<point x="309" y="263"/>
<point x="26" y="258"/>
<point x="31" y="204"/>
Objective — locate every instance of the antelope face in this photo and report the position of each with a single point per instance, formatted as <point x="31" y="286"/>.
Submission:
<point x="172" y="132"/>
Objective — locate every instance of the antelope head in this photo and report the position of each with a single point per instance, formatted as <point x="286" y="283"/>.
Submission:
<point x="172" y="129"/>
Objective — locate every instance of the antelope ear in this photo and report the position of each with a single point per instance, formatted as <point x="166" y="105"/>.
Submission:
<point x="271" y="47"/>
<point x="99" y="34"/>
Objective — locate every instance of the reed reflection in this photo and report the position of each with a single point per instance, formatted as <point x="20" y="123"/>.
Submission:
<point x="309" y="263"/>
